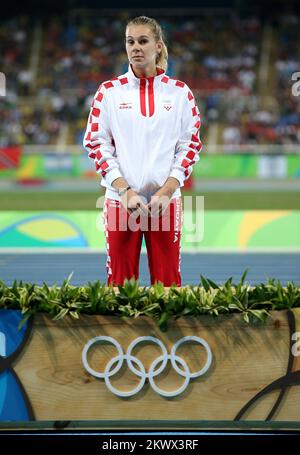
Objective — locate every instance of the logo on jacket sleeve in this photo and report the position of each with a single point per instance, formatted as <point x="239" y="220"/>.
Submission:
<point x="125" y="106"/>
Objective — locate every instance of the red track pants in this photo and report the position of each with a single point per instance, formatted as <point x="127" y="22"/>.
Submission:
<point x="124" y="235"/>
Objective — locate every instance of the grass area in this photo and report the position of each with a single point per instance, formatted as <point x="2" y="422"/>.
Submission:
<point x="42" y="200"/>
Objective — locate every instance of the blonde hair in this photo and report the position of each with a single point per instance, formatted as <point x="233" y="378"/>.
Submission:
<point x="162" y="58"/>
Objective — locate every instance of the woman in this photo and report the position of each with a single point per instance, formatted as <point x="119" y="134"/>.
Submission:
<point x="143" y="135"/>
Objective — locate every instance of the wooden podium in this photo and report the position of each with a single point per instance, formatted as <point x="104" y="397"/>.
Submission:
<point x="252" y="373"/>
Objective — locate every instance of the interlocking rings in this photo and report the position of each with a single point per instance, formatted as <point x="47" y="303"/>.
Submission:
<point x="133" y="361"/>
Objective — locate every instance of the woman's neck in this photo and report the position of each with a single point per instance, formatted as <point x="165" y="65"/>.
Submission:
<point x="144" y="72"/>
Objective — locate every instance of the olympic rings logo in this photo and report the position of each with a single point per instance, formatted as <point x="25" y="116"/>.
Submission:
<point x="136" y="366"/>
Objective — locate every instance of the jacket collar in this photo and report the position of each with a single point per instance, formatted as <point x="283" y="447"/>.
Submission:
<point x="134" y="78"/>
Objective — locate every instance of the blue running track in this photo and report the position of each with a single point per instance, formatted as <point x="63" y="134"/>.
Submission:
<point x="55" y="267"/>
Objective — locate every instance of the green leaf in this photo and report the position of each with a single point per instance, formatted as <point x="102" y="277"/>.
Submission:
<point x="205" y="283"/>
<point x="24" y="320"/>
<point x="61" y="314"/>
<point x="246" y="317"/>
<point x="212" y="284"/>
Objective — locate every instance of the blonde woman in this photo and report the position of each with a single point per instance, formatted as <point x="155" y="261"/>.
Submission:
<point x="143" y="135"/>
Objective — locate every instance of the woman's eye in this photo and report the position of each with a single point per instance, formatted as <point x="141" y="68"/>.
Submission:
<point x="143" y="41"/>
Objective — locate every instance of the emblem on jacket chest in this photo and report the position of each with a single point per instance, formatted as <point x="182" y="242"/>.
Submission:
<point x="125" y="106"/>
<point x="167" y="104"/>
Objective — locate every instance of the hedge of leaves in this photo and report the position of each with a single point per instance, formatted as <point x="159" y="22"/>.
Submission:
<point x="253" y="302"/>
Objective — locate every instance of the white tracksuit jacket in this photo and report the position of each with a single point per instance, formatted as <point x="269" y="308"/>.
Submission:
<point x="145" y="130"/>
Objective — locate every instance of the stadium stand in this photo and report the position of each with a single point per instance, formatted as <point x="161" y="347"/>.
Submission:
<point x="54" y="67"/>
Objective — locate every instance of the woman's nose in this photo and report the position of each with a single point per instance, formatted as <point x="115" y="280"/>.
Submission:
<point x="136" y="46"/>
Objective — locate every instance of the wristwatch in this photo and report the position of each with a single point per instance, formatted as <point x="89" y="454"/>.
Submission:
<point x="122" y="191"/>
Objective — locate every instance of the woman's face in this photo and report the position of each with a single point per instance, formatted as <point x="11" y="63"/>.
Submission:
<point x="141" y="46"/>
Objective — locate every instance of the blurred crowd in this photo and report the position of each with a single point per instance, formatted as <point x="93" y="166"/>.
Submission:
<point x="50" y="84"/>
<point x="277" y="119"/>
